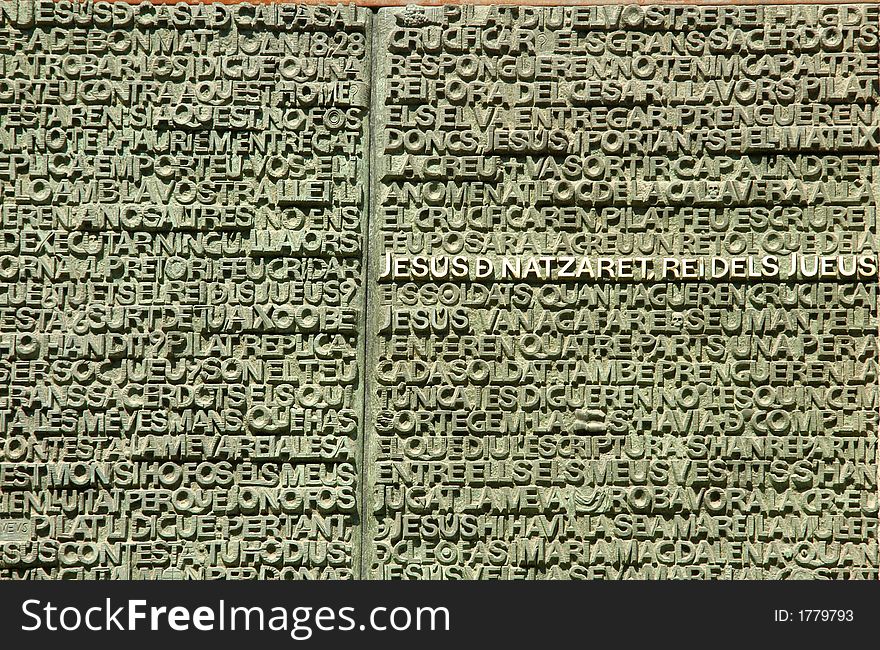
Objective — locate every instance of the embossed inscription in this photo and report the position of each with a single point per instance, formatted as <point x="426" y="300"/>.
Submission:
<point x="181" y="289"/>
<point x="623" y="319"/>
<point x="559" y="292"/>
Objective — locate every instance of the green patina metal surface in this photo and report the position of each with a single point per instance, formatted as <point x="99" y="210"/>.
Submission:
<point x="438" y="292"/>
